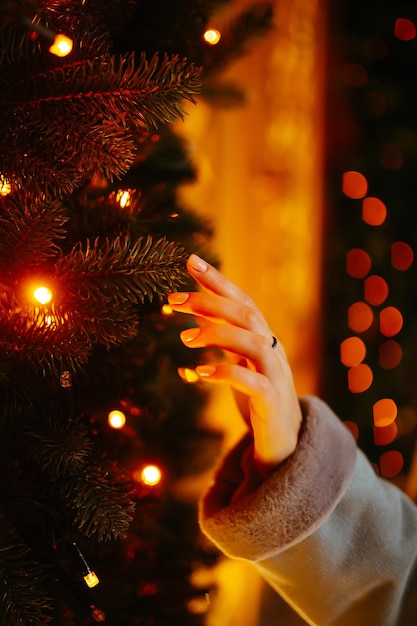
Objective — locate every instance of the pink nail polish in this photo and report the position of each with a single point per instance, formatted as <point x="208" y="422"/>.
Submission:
<point x="197" y="263"/>
<point x="178" y="297"/>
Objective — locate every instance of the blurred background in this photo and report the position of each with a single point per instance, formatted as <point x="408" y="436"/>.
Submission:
<point x="310" y="184"/>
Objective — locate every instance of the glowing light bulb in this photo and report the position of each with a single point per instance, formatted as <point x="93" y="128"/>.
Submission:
<point x="116" y="419"/>
<point x="124" y="198"/>
<point x="5" y="187"/>
<point x="212" y="36"/>
<point x="188" y="375"/>
<point x="42" y="294"/>
<point x="91" y="579"/>
<point x="61" y="45"/>
<point x="151" y="475"/>
<point x="167" y="310"/>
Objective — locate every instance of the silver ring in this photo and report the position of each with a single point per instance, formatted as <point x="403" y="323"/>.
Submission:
<point x="274" y="342"/>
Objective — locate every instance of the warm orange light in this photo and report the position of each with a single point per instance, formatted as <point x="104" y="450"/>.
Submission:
<point x="390" y="321"/>
<point x="188" y="375"/>
<point x="91" y="579"/>
<point x="5" y="186"/>
<point x="116" y="419"/>
<point x="61" y="45"/>
<point x="212" y="36"/>
<point x="167" y="310"/>
<point x="391" y="463"/>
<point x="390" y="354"/>
<point x="402" y="256"/>
<point x="353" y="427"/>
<point x="375" y="290"/>
<point x="385" y="434"/>
<point x="151" y="475"/>
<point x="124" y="198"/>
<point x="374" y="211"/>
<point x="354" y="185"/>
<point x="42" y="294"/>
<point x="385" y="412"/>
<point x="352" y="351"/>
<point x="360" y="317"/>
<point x="404" y="29"/>
<point x="358" y="263"/>
<point x="360" y="378"/>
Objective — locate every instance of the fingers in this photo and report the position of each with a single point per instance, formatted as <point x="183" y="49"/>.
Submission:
<point x="219" y="309"/>
<point x="254" y="347"/>
<point x="211" y="279"/>
<point x="275" y="438"/>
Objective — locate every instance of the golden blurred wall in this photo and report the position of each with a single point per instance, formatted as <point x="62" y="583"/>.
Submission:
<point x="261" y="183"/>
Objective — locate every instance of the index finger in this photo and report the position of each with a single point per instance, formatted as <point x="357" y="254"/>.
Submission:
<point x="210" y="278"/>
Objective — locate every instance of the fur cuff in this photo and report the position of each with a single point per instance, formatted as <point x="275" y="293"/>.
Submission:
<point x="290" y="504"/>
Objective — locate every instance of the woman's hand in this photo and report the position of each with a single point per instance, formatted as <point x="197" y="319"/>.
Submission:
<point x="229" y="319"/>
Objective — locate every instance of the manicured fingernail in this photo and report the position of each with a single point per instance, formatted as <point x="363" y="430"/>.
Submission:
<point x="178" y="297"/>
<point x="190" y="334"/>
<point x="205" y="370"/>
<point x="197" y="263"/>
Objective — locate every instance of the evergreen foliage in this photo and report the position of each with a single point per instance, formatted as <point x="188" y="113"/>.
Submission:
<point x="76" y="133"/>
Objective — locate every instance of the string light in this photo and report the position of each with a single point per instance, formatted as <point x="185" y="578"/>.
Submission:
<point x="5" y="186"/>
<point x="116" y="419"/>
<point x="167" y="310"/>
<point x="212" y="36"/>
<point x="42" y="294"/>
<point x="151" y="475"/>
<point x="61" y="45"/>
<point x="188" y="375"/>
<point x="91" y="579"/>
<point x="124" y="198"/>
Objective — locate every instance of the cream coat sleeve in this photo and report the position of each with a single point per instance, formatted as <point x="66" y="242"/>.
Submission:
<point x="338" y="543"/>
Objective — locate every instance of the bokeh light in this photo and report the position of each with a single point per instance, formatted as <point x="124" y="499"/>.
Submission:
<point x="212" y="36"/>
<point x="404" y="29"/>
<point x="188" y="375"/>
<point x="360" y="378"/>
<point x="354" y="185"/>
<point x="375" y="290"/>
<point x="116" y="419"/>
<point x="374" y="211"/>
<point x="383" y="435"/>
<point x="151" y="475"/>
<point x="358" y="263"/>
<point x="402" y="255"/>
<point x="42" y="294"/>
<point x="61" y="46"/>
<point x="385" y="412"/>
<point x="352" y="351"/>
<point x="391" y="463"/>
<point x="390" y="354"/>
<point x="360" y="317"/>
<point x="390" y="321"/>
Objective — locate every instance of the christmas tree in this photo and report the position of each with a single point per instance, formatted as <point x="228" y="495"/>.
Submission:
<point x="92" y="238"/>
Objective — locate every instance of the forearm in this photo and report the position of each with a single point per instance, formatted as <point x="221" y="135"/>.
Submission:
<point x="337" y="542"/>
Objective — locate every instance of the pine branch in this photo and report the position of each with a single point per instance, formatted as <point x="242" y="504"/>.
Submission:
<point x="121" y="271"/>
<point x="29" y="230"/>
<point x="97" y="104"/>
<point x="95" y="491"/>
<point x="100" y="500"/>
<point x="23" y="600"/>
<point x="238" y="36"/>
